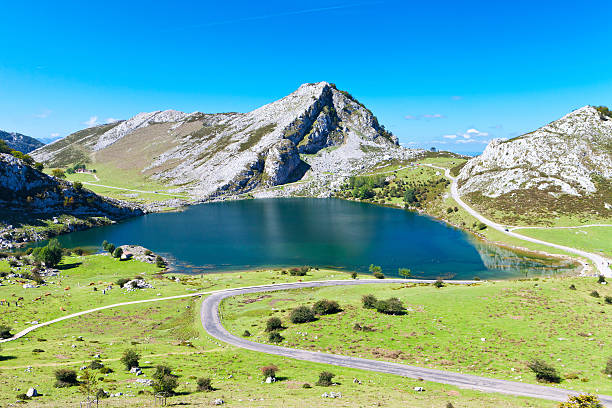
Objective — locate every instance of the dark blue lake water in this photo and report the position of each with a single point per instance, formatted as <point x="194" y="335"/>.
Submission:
<point x="250" y="234"/>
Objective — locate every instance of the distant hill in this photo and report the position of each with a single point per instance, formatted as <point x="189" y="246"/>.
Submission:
<point x="312" y="135"/>
<point x="22" y="143"/>
<point x="562" y="168"/>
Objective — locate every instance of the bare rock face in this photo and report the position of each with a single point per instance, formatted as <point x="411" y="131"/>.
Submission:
<point x="19" y="142"/>
<point x="314" y="131"/>
<point x="23" y="188"/>
<point x="567" y="156"/>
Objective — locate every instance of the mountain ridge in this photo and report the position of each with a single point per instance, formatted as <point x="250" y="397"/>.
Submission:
<point x="17" y="141"/>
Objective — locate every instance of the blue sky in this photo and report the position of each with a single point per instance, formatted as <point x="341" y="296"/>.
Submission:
<point x="472" y="69"/>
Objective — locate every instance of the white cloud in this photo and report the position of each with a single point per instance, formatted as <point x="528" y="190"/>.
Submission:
<point x="93" y="121"/>
<point x="44" y="114"/>
<point x="467" y="141"/>
<point x="426" y="116"/>
<point x="476" y="132"/>
<point x="112" y="120"/>
<point x="55" y="134"/>
<point x="450" y="136"/>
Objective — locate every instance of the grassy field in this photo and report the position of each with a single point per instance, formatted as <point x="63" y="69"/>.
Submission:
<point x="593" y="239"/>
<point x="169" y="332"/>
<point x="490" y="329"/>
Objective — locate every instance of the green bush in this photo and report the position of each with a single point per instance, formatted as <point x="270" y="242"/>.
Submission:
<point x="325" y="379"/>
<point x="582" y="401"/>
<point x="101" y="394"/>
<point x="65" y="378"/>
<point x="544" y="372"/>
<point x="23" y="397"/>
<point x="122" y="281"/>
<point x="96" y="365"/>
<point x="608" y="300"/>
<point x="354" y="275"/>
<point x="601" y="279"/>
<point x="159" y="262"/>
<point x="246" y="333"/>
<point x="105" y="245"/>
<point x="275" y="337"/>
<point x="608" y="369"/>
<point x="375" y="269"/>
<point x="117" y="252"/>
<point x="5" y="332"/>
<point x="274" y="323"/>
<point x="572" y="287"/>
<point x="439" y="283"/>
<point x="391" y="306"/>
<point x="369" y="301"/>
<point x="130" y="358"/>
<point x="205" y="385"/>
<point x="165" y="385"/>
<point x="302" y="314"/>
<point x="50" y="255"/>
<point x="299" y="271"/>
<point x="594" y="293"/>
<point x="110" y="248"/>
<point x="326" y="307"/>
<point x="379" y="275"/>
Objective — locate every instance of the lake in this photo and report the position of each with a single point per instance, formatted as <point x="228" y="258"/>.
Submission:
<point x="248" y="234"/>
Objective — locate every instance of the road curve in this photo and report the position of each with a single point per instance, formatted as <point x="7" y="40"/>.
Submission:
<point x="601" y="263"/>
<point x="211" y="321"/>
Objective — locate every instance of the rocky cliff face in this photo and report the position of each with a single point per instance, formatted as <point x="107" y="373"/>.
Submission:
<point x="571" y="155"/>
<point x="22" y="143"/>
<point x="316" y="130"/>
<point x="24" y="189"/>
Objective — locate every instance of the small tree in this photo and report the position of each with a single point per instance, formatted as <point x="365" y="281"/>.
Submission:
<point x="65" y="378"/>
<point x="325" y="307"/>
<point x="601" y="279"/>
<point x="608" y="300"/>
<point x="439" y="283"/>
<point x="325" y="379"/>
<point x="130" y="359"/>
<point x="165" y="385"/>
<point x="88" y="383"/>
<point x="273" y="324"/>
<point x="50" y="255"/>
<point x="379" y="275"/>
<point x="375" y="269"/>
<point x="110" y="248"/>
<point x="301" y="314"/>
<point x="582" y="401"/>
<point x="354" y="275"/>
<point x="269" y="371"/>
<point x="117" y="252"/>
<point x="5" y="331"/>
<point x="205" y="385"/>
<point x="404" y="273"/>
<point x="369" y="301"/>
<point x="594" y="293"/>
<point x="544" y="372"/>
<point x="159" y="262"/>
<point x="104" y="245"/>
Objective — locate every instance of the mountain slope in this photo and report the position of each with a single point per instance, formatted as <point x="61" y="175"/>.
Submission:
<point x="17" y="141"/>
<point x="563" y="167"/>
<point x="28" y="197"/>
<point x="313" y="132"/>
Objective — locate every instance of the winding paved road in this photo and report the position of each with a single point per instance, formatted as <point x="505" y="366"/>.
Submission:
<point x="211" y="320"/>
<point x="601" y="263"/>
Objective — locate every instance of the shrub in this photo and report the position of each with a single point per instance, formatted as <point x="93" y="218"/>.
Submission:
<point x="130" y="358"/>
<point x="50" y="255"/>
<point x="96" y="365"/>
<point x="104" y="245"/>
<point x="601" y="279"/>
<point x="306" y="385"/>
<point x="205" y="385"/>
<point x="147" y="252"/>
<point x="5" y="332"/>
<point x="117" y="252"/>
<point x="369" y="301"/>
<point x="301" y="314"/>
<point x="274" y="323"/>
<point x="374" y="269"/>
<point x="404" y="273"/>
<point x="106" y="370"/>
<point x="101" y="394"/>
<point x="246" y="333"/>
<point x="110" y="248"/>
<point x="544" y="372"/>
<point x="79" y="251"/>
<point x="269" y="371"/>
<point x="162" y="371"/>
<point x="159" y="262"/>
<point x="38" y="350"/>
<point x="354" y="276"/>
<point x="275" y="337"/>
<point x="608" y="369"/>
<point x="608" y="300"/>
<point x="582" y="401"/>
<point x="122" y="281"/>
<point x="23" y="397"/>
<point x="77" y="185"/>
<point x="439" y="283"/>
<point x="594" y="293"/>
<point x="65" y="378"/>
<point x="165" y="385"/>
<point x="379" y="275"/>
<point x="325" y="307"/>
<point x="298" y="272"/>
<point x="391" y="306"/>
<point x="325" y="379"/>
<point x="572" y="287"/>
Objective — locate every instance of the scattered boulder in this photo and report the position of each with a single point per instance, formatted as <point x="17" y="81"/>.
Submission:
<point x="331" y="395"/>
<point x="270" y="380"/>
<point x="218" y="401"/>
<point x="136" y="370"/>
<point x="32" y="392"/>
<point x="419" y="389"/>
<point x="137" y="284"/>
